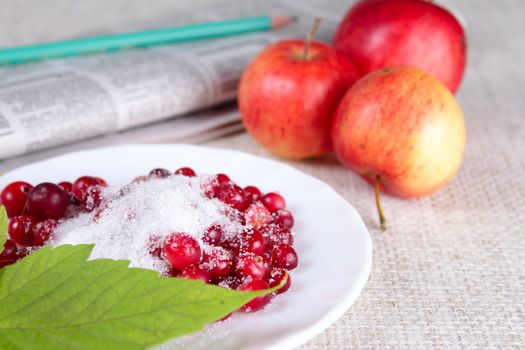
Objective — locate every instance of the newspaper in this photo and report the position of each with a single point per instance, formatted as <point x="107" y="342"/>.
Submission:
<point x="55" y="102"/>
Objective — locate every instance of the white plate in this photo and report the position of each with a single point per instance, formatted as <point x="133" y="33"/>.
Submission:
<point x="334" y="247"/>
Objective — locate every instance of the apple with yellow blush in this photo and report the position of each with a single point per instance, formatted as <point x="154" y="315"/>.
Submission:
<point x="402" y="130"/>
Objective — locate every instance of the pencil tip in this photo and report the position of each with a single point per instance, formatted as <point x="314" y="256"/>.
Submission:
<point x="281" y="21"/>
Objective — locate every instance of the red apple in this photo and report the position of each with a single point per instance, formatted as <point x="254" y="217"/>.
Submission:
<point x="400" y="129"/>
<point x="385" y="33"/>
<point x="289" y="93"/>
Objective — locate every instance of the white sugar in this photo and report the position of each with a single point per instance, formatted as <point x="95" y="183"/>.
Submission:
<point x="124" y="225"/>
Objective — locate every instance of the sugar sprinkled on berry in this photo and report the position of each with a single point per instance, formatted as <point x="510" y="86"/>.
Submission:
<point x="155" y="208"/>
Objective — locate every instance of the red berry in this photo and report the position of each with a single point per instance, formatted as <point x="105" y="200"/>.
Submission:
<point x="172" y="272"/>
<point x="257" y="215"/>
<point x="22" y="253"/>
<point x="230" y="282"/>
<point x="277" y="234"/>
<point x="185" y="172"/>
<point x="101" y="182"/>
<point x="213" y="234"/>
<point x="6" y="262"/>
<point x="283" y="217"/>
<point x="209" y="187"/>
<point x="240" y="217"/>
<point x="21" y="229"/>
<point x="139" y="179"/>
<point x="284" y="256"/>
<point x="42" y="231"/>
<point x="232" y="245"/>
<point x="253" y="194"/>
<point x="159" y="173"/>
<point x="252" y="241"/>
<point x="223" y="179"/>
<point x="217" y="261"/>
<point x="47" y="201"/>
<point x="273" y="201"/>
<point x="87" y="190"/>
<point x="82" y="185"/>
<point x="181" y="251"/>
<point x="73" y="211"/>
<point x="194" y="272"/>
<point x="155" y="246"/>
<point x="276" y="276"/>
<point x="259" y="302"/>
<point x="250" y="265"/>
<point x="215" y="183"/>
<point x="67" y="187"/>
<point x="267" y="257"/>
<point x="9" y="250"/>
<point x="14" y="196"/>
<point x="235" y="215"/>
<point x="232" y="195"/>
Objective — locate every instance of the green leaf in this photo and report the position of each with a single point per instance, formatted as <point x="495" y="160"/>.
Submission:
<point x="3" y="226"/>
<point x="55" y="299"/>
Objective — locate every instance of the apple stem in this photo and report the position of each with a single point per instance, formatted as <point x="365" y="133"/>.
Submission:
<point x="310" y="36"/>
<point x="377" y="187"/>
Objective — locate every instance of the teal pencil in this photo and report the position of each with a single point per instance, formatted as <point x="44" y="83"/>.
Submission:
<point x="142" y="39"/>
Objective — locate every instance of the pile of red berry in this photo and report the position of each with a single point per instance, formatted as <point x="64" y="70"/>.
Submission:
<point x="34" y="212"/>
<point x="258" y="257"/>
